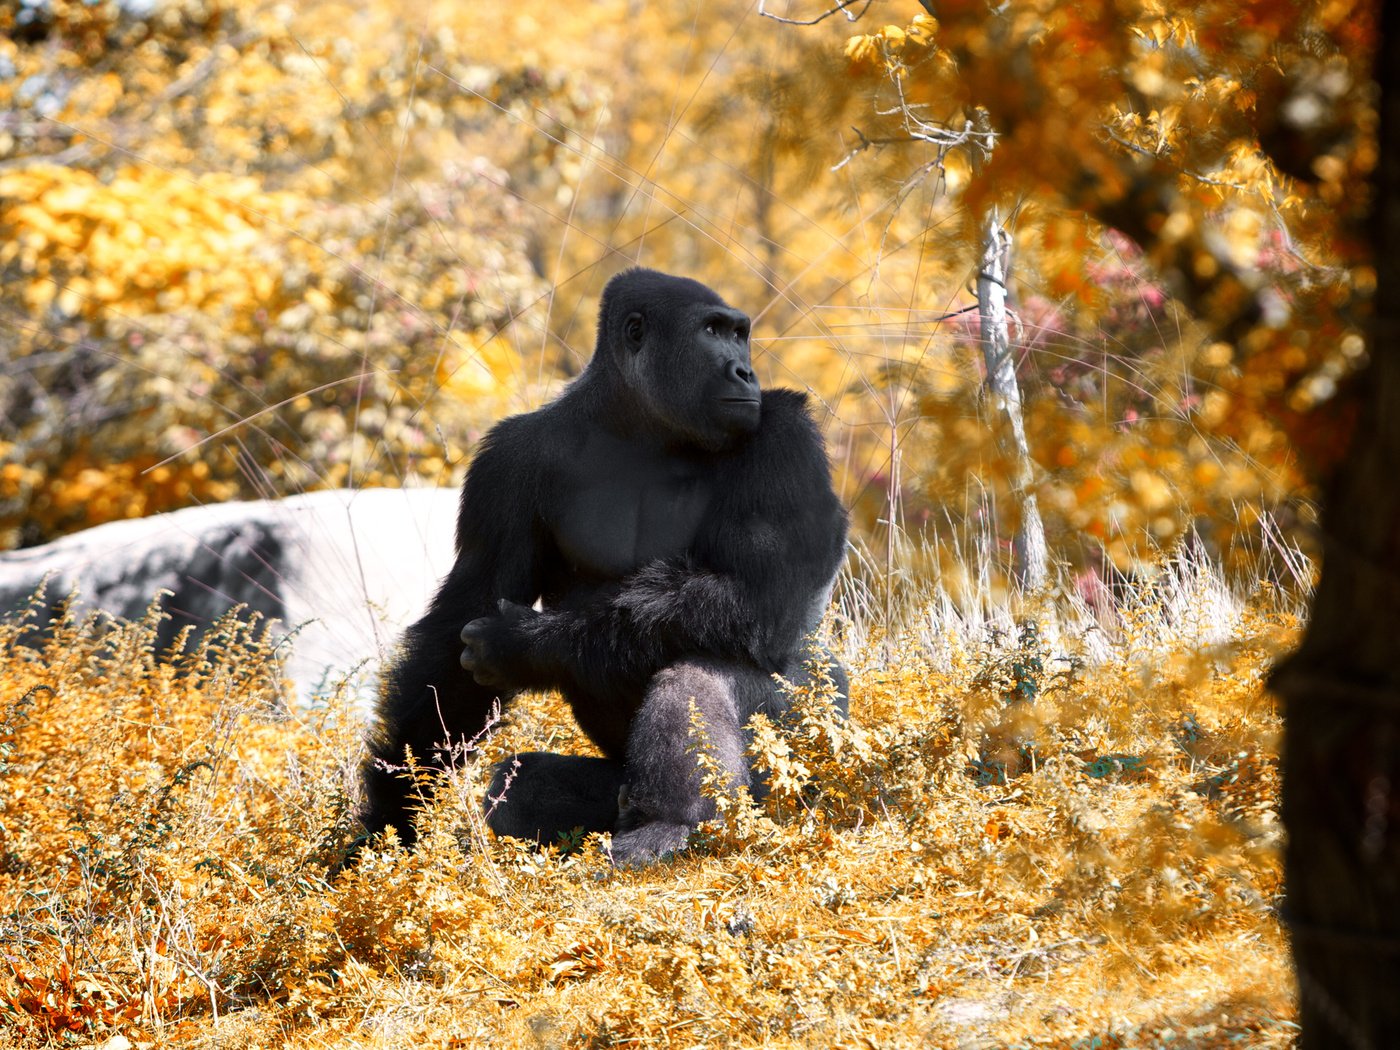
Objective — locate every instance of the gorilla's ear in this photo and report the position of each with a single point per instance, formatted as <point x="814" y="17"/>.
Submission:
<point x="634" y="331"/>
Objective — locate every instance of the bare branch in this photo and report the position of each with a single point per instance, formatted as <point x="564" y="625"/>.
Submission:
<point x="841" y="6"/>
<point x="1144" y="151"/>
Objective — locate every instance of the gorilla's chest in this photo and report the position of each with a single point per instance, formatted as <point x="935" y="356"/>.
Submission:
<point x="621" y="509"/>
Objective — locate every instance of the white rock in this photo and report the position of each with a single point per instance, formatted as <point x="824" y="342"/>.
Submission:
<point x="343" y="571"/>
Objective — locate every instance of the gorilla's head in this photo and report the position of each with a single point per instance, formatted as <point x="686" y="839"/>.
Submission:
<point x="683" y="354"/>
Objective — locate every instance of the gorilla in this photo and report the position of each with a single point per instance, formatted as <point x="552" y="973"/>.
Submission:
<point x="679" y="531"/>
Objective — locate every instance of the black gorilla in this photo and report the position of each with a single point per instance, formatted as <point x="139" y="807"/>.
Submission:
<point x="681" y="532"/>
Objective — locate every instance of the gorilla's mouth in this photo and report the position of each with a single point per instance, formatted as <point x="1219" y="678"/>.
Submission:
<point x="738" y="400"/>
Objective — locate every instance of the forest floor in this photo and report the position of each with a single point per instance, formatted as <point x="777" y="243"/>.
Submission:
<point x="1060" y="836"/>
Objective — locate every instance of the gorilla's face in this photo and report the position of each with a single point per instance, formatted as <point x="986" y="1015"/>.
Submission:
<point x="685" y="354"/>
<point x="695" y="376"/>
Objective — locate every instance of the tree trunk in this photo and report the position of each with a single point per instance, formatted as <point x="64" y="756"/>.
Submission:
<point x="1029" y="555"/>
<point x="1341" y="690"/>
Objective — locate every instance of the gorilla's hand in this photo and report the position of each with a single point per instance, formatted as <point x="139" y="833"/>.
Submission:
<point x="494" y="648"/>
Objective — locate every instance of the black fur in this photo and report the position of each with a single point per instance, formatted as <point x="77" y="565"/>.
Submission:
<point x="681" y="532"/>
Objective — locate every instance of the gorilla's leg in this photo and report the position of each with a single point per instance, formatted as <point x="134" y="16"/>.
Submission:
<point x="548" y="795"/>
<point x="427" y="705"/>
<point x="663" y="802"/>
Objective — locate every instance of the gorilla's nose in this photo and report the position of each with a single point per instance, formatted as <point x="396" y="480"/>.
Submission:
<point x="739" y="373"/>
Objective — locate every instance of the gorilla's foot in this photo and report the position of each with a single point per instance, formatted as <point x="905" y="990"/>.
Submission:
<point x="648" y="842"/>
<point x="549" y="797"/>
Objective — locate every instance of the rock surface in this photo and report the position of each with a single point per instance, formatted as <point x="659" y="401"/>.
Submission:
<point x="343" y="572"/>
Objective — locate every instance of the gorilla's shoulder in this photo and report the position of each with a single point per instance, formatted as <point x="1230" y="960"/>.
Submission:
<point x="527" y="432"/>
<point x="783" y="468"/>
<point x="787" y="419"/>
<point x="788" y="440"/>
<point x="513" y="452"/>
<point x="780" y="402"/>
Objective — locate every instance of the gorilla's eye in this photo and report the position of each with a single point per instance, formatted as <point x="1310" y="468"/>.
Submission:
<point x="710" y="328"/>
<point x="632" y="328"/>
<point x="742" y="333"/>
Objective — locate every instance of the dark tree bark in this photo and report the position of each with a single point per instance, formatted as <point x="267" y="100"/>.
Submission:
<point x="1341" y="690"/>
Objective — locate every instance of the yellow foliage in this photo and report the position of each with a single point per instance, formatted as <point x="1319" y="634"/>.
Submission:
<point x="480" y="371"/>
<point x="147" y="241"/>
<point x="1092" y="847"/>
<point x="251" y="292"/>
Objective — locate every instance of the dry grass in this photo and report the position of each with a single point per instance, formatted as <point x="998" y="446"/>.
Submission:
<point x="1003" y="848"/>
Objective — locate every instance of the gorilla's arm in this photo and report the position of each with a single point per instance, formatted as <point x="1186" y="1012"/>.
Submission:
<point x="427" y="700"/>
<point x="754" y="585"/>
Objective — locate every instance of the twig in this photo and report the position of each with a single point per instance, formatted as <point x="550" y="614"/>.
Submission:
<point x="841" y="6"/>
<point x="1144" y="151"/>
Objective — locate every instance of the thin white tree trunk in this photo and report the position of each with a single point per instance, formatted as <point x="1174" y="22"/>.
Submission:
<point x="1029" y="553"/>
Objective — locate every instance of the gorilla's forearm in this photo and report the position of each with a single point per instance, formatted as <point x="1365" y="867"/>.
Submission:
<point x="686" y="611"/>
<point x="664" y="613"/>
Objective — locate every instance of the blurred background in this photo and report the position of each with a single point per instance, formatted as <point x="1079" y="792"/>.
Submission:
<point x="253" y="249"/>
